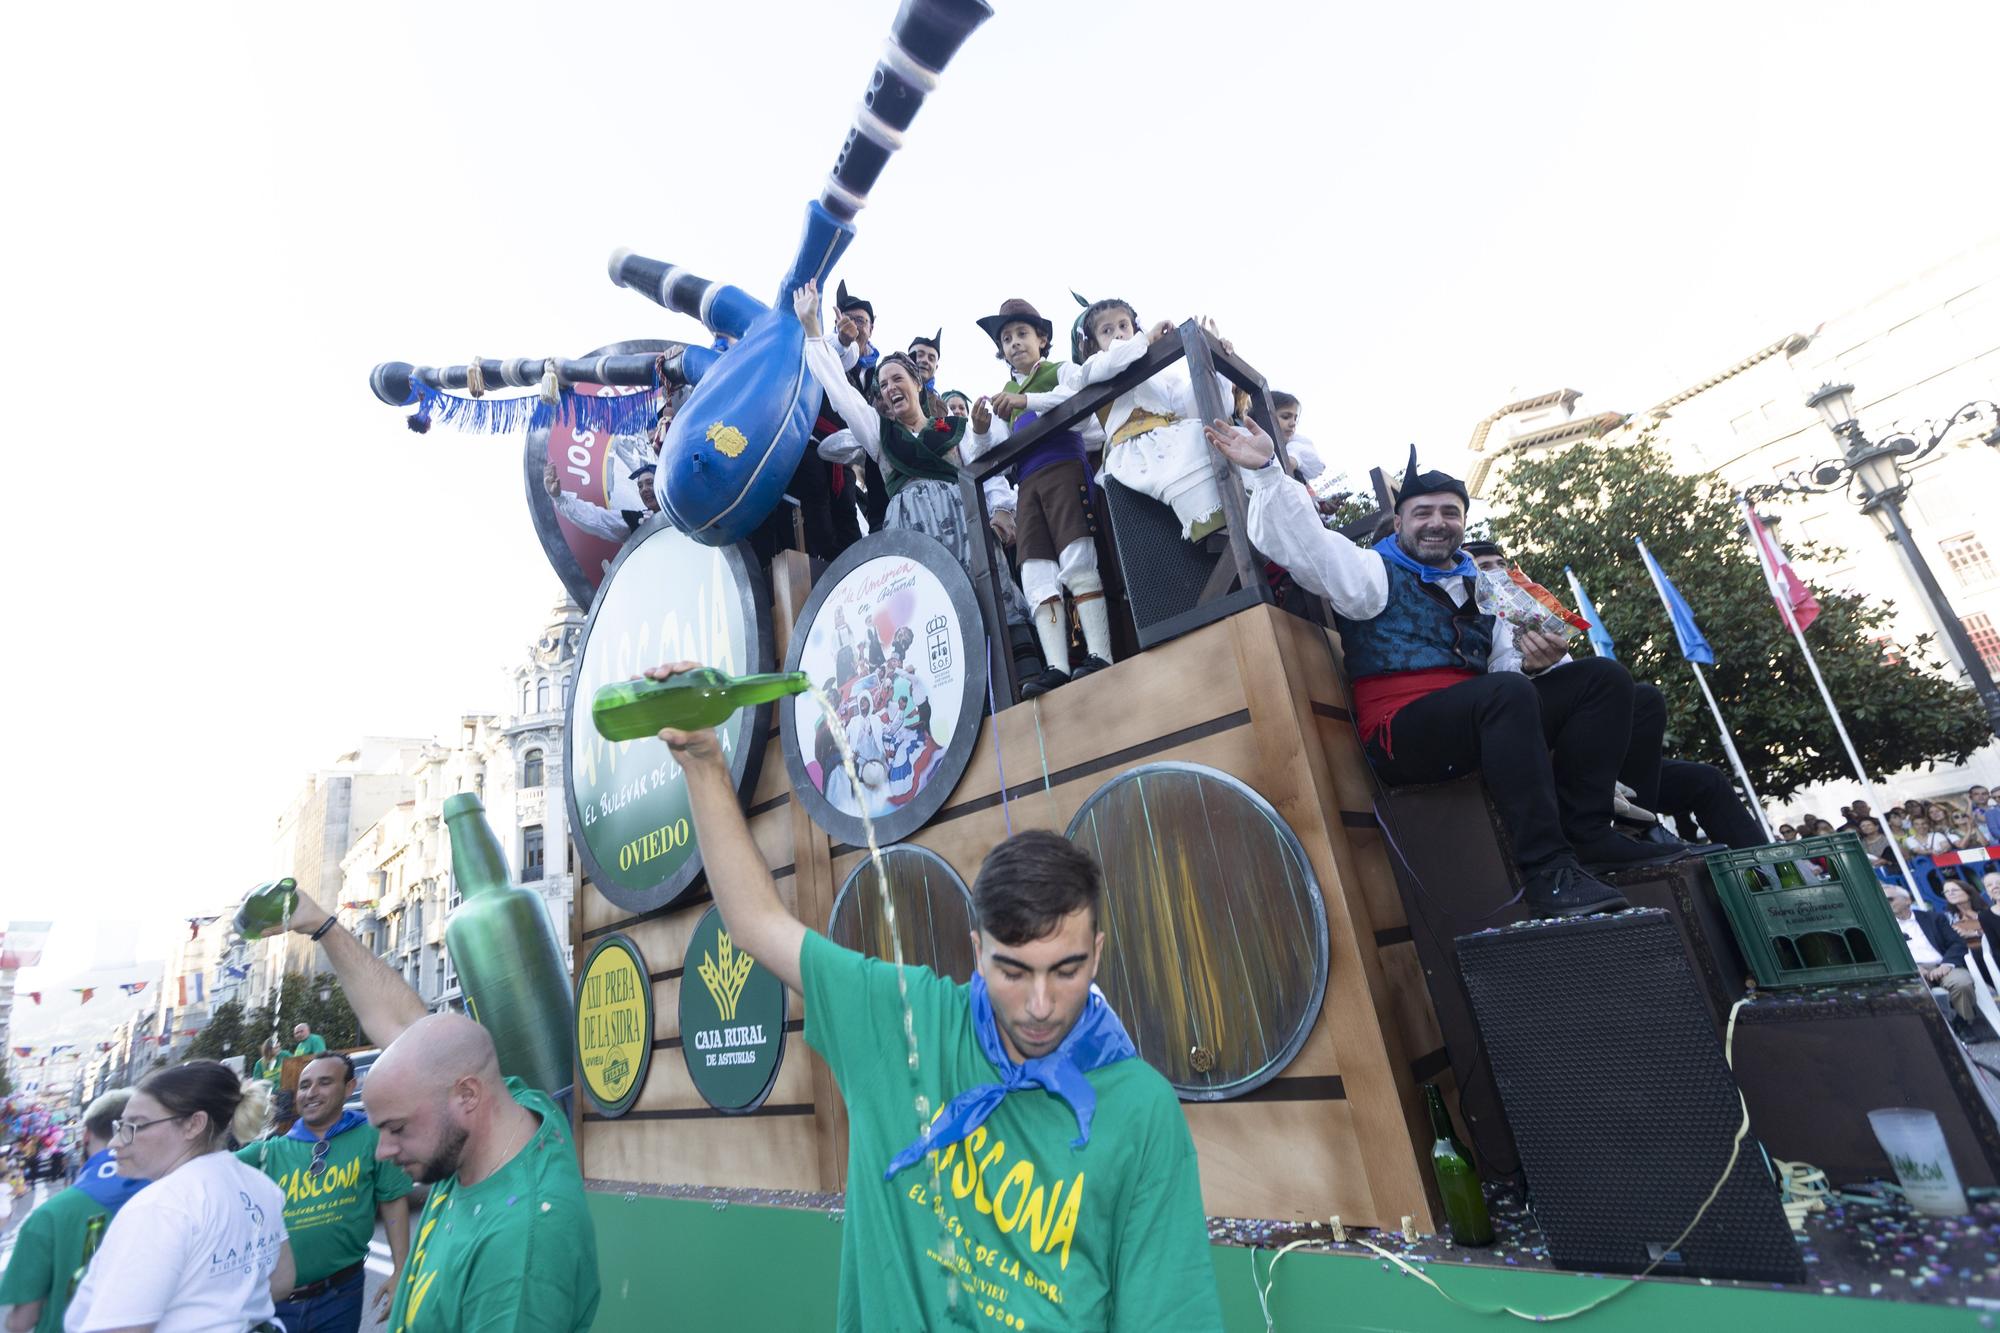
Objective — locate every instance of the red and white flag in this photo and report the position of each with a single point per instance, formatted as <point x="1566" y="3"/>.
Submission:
<point x="1788" y="590"/>
<point x="21" y="944"/>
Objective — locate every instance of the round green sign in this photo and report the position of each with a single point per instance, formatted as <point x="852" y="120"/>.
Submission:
<point x="667" y="598"/>
<point x="614" y="1024"/>
<point x="732" y="1020"/>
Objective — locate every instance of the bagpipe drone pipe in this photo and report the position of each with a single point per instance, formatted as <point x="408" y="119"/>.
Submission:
<point x="736" y="441"/>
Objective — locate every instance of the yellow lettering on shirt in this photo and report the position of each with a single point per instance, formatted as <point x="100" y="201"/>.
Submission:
<point x="1049" y="1213"/>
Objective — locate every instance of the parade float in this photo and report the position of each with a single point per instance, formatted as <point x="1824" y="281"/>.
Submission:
<point x="1298" y="950"/>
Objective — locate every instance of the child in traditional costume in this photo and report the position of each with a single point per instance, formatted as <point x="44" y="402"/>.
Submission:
<point x="1153" y="431"/>
<point x="1053" y="532"/>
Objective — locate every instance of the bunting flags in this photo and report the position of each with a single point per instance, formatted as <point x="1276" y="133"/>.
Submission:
<point x="105" y="1045"/>
<point x="195" y="923"/>
<point x="1788" y="590"/>
<point x="1600" y="637"/>
<point x="34" y="995"/>
<point x="131" y="987"/>
<point x="1693" y="646"/>
<point x="236" y="973"/>
<point x="21" y="944"/>
<point x="86" y="992"/>
<point x="24" y="1051"/>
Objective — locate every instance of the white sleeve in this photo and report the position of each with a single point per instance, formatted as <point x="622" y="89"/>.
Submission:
<point x="974" y="445"/>
<point x="1285" y="525"/>
<point x="1305" y="457"/>
<point x="843" y="447"/>
<point x="1105" y="365"/>
<point x="999" y="495"/>
<point x="138" y="1267"/>
<point x="824" y="363"/>
<point x="1505" y="656"/>
<point x="850" y="353"/>
<point x="590" y="518"/>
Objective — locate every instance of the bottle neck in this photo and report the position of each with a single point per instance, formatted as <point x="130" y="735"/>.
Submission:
<point x="1440" y="1122"/>
<point x="477" y="863"/>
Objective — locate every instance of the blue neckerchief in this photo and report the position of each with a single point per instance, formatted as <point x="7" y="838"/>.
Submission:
<point x="869" y="358"/>
<point x="1097" y="1040"/>
<point x="348" y="1120"/>
<point x="1392" y="550"/>
<point x="107" y="1189"/>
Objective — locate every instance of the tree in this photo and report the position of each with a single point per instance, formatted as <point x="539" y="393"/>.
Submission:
<point x="1583" y="507"/>
<point x="331" y="1018"/>
<point x="223" y="1036"/>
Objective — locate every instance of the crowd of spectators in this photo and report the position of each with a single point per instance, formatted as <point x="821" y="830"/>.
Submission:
<point x="1921" y="828"/>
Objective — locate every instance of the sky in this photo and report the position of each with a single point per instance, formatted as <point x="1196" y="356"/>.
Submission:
<point x="222" y="216"/>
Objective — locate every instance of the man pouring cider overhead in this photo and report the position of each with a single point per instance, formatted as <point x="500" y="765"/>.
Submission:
<point x="1057" y="1181"/>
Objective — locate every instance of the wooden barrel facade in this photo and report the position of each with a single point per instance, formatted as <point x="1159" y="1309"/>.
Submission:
<point x="933" y="912"/>
<point x="1215" y="932"/>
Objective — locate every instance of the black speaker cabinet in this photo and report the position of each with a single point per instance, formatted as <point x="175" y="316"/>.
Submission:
<point x="1622" y="1107"/>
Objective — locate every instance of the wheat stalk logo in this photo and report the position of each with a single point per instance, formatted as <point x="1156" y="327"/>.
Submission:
<point x="725" y="974"/>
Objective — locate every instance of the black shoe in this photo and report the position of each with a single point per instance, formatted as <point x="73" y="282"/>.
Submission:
<point x="1037" y="686"/>
<point x="1564" y="889"/>
<point x="1090" y="664"/>
<point x="1615" y="851"/>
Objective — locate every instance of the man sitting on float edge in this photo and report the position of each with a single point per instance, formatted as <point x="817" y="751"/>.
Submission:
<point x="1066" y="1181"/>
<point x="1434" y="694"/>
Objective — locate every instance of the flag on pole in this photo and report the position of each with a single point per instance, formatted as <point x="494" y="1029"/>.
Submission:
<point x="1786" y="585"/>
<point x="21" y="944"/>
<point x="200" y="990"/>
<point x="1600" y="637"/>
<point x="184" y="990"/>
<point x="1693" y="646"/>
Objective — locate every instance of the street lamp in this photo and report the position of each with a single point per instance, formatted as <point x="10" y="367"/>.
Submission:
<point x="1875" y="473"/>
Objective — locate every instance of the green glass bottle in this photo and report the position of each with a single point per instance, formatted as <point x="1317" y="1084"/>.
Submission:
<point x="1755" y="881"/>
<point x="626" y="710"/>
<point x="267" y="907"/>
<point x="1789" y="875"/>
<point x="1464" y="1204"/>
<point x="93" y="1236"/>
<point x="504" y="948"/>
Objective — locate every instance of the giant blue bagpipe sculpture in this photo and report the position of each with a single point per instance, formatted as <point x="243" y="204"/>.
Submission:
<point x="739" y="435"/>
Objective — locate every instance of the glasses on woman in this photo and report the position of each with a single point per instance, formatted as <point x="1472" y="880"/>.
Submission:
<point x="125" y="1130"/>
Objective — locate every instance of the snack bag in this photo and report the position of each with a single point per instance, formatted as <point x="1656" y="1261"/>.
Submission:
<point x="1521" y="602"/>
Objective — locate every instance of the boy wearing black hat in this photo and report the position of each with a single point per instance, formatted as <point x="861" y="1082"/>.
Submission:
<point x="1429" y="707"/>
<point x="926" y="351"/>
<point x="1053" y="532"/>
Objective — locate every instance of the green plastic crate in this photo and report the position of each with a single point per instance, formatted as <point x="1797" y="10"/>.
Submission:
<point x="1798" y="929"/>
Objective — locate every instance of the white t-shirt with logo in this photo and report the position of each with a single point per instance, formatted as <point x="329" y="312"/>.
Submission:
<point x="191" y="1253"/>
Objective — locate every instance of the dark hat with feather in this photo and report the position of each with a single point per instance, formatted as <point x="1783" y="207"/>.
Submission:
<point x="933" y="341"/>
<point x="1417" y="483"/>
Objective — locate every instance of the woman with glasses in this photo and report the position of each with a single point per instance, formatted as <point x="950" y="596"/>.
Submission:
<point x="1963" y="834"/>
<point x="203" y="1248"/>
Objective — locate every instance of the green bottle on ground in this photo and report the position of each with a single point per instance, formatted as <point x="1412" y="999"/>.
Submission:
<point x="1458" y="1183"/>
<point x="627" y="710"/>
<point x="504" y="948"/>
<point x="267" y="907"/>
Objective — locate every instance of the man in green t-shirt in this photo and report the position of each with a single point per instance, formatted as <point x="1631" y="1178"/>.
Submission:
<point x="505" y="1240"/>
<point x="335" y="1189"/>
<point x="306" y="1041"/>
<point x="1056" y="1188"/>
<point x="56" y="1241"/>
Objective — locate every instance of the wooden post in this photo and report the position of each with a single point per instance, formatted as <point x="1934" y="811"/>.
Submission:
<point x="1201" y="372"/>
<point x="988" y="569"/>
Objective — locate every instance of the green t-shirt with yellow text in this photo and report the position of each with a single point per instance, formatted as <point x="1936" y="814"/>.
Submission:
<point x="517" y="1251"/>
<point x="1044" y="1237"/>
<point x="48" y="1249"/>
<point x="330" y="1217"/>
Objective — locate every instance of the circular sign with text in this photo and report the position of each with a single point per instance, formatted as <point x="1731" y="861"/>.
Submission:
<point x="732" y="1020"/>
<point x="614" y="1024"/>
<point x="892" y="633"/>
<point x="668" y="598"/>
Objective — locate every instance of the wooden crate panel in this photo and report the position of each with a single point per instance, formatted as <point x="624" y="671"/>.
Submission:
<point x="775" y="1152"/>
<point x="1281" y="1159"/>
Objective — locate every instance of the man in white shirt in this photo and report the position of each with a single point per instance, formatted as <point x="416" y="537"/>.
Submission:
<point x="1936" y="950"/>
<point x="1441" y="690"/>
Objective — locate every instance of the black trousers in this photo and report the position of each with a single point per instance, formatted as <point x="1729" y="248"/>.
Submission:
<point x="1679" y="787"/>
<point x="1550" y="747"/>
<point x="832" y="523"/>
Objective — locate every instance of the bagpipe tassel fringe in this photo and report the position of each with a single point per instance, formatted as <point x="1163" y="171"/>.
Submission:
<point x="614" y="414"/>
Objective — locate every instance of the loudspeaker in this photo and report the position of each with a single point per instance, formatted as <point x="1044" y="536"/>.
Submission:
<point x="1621" y="1104"/>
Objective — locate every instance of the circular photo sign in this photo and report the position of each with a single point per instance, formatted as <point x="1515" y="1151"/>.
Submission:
<point x="614" y="1024"/>
<point x="732" y="1020"/>
<point x="668" y="598"/>
<point x="892" y="633"/>
<point x="1215" y="932"/>
<point x="934" y="917"/>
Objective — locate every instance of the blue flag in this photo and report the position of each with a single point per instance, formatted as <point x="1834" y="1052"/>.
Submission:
<point x="1600" y="637"/>
<point x="1693" y="647"/>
